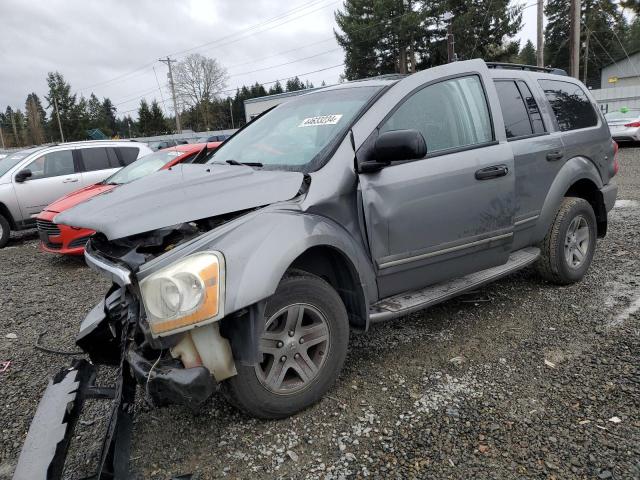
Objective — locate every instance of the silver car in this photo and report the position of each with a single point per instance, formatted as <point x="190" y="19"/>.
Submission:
<point x="624" y="125"/>
<point x="31" y="179"/>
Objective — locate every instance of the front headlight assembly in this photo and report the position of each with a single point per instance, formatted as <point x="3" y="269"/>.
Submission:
<point x="187" y="293"/>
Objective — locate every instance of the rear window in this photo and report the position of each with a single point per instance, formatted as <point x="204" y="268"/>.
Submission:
<point x="129" y="154"/>
<point x="570" y="104"/>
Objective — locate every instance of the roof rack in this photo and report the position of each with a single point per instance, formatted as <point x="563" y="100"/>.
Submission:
<point x="530" y="68"/>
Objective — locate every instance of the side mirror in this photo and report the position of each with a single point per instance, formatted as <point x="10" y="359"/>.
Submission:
<point x="22" y="175"/>
<point x="395" y="146"/>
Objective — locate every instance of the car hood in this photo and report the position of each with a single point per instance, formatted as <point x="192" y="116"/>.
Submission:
<point x="183" y="193"/>
<point x="74" y="198"/>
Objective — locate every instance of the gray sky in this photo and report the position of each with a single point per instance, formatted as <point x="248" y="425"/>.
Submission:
<point x="111" y="48"/>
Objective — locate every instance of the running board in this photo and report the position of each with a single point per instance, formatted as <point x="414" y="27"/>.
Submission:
<point x="405" y="303"/>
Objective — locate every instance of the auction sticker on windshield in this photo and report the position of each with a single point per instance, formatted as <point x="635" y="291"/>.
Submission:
<point x="321" y="120"/>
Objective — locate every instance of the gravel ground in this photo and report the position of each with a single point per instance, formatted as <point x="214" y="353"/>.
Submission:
<point x="520" y="379"/>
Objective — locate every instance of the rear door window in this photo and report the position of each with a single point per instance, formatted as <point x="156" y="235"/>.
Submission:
<point x="514" y="111"/>
<point x="128" y="154"/>
<point x="570" y="104"/>
<point x="450" y="114"/>
<point x="95" y="159"/>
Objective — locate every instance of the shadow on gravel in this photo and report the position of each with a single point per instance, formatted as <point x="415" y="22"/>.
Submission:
<point x="20" y="238"/>
<point x="66" y="262"/>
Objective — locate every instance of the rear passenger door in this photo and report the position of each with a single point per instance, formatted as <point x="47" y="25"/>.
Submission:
<point x="537" y="149"/>
<point x="451" y="212"/>
<point x="98" y="163"/>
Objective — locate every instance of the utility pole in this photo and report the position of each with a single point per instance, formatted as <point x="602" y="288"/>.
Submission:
<point x="586" y="57"/>
<point x="169" y="61"/>
<point x="231" y="111"/>
<point x="451" y="43"/>
<point x="574" y="38"/>
<point x="540" y="45"/>
<point x="55" y="103"/>
<point x="1" y="136"/>
<point x="129" y="122"/>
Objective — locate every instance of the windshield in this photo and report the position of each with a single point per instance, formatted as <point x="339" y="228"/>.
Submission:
<point x="294" y="135"/>
<point x="628" y="115"/>
<point x="143" y="166"/>
<point x="7" y="163"/>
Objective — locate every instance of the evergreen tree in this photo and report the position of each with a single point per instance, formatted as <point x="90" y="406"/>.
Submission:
<point x="276" y="88"/>
<point x="36" y="117"/>
<point x="294" y="84"/>
<point x="482" y="29"/>
<point x="599" y="20"/>
<point x="60" y="91"/>
<point x="159" y="125"/>
<point x="527" y="55"/>
<point x="109" y="115"/>
<point x="145" y="122"/>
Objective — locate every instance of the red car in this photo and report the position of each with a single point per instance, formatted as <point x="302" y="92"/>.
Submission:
<point x="70" y="240"/>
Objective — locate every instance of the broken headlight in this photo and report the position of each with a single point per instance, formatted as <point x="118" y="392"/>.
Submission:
<point x="187" y="293"/>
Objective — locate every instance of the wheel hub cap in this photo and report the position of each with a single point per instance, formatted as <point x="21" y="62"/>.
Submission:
<point x="577" y="241"/>
<point x="293" y="347"/>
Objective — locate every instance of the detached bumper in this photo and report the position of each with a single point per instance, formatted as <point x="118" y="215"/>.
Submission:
<point x="45" y="448"/>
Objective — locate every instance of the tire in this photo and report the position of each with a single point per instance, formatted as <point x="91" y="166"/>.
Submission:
<point x="262" y="395"/>
<point x="5" y="231"/>
<point x="557" y="264"/>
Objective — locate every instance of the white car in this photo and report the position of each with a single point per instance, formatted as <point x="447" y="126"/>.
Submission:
<point x="624" y="125"/>
<point x="31" y="179"/>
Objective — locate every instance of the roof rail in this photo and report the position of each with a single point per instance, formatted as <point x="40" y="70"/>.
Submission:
<point x="530" y="68"/>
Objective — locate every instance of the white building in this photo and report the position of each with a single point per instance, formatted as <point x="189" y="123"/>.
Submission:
<point x="620" y="84"/>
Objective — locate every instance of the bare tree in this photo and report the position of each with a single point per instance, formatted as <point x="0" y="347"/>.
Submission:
<point x="198" y="81"/>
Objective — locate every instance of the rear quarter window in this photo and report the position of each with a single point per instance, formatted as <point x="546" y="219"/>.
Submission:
<point x="95" y="158"/>
<point x="570" y="105"/>
<point x="128" y="154"/>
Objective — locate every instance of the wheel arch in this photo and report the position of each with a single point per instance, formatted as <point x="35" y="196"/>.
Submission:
<point x="4" y="211"/>
<point x="335" y="267"/>
<point x="577" y="177"/>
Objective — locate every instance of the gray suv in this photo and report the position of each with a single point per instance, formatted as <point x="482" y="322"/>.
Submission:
<point x="31" y="179"/>
<point x="340" y="208"/>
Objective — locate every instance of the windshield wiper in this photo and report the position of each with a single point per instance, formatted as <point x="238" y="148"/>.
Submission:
<point x="248" y="164"/>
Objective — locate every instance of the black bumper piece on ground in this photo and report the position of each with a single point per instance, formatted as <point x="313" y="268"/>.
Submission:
<point x="45" y="449"/>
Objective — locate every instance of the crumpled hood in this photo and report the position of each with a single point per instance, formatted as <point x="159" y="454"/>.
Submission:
<point x="181" y="194"/>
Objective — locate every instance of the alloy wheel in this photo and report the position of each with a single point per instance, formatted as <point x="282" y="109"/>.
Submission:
<point x="577" y="242"/>
<point x="294" y="347"/>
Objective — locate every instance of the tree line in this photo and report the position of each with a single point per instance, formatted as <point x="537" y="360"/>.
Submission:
<point x="402" y="36"/>
<point x="80" y="116"/>
<point x="378" y="37"/>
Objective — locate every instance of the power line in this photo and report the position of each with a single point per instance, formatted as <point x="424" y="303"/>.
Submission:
<point x="286" y="63"/>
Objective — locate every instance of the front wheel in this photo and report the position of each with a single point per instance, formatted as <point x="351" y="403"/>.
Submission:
<point x="303" y="348"/>
<point x="568" y="248"/>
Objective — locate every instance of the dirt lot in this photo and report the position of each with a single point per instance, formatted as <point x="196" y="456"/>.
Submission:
<point x="518" y="380"/>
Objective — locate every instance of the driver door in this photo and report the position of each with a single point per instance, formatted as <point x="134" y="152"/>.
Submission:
<point x="53" y="175"/>
<point x="450" y="213"/>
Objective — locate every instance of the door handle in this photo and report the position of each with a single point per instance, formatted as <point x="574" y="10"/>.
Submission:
<point x="554" y="156"/>
<point x="70" y="180"/>
<point x="493" y="171"/>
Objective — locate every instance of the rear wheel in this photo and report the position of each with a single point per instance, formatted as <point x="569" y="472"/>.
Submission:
<point x="568" y="248"/>
<point x="5" y="230"/>
<point x="303" y="347"/>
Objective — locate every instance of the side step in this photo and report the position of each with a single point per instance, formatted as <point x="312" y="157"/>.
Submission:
<point x="405" y="303"/>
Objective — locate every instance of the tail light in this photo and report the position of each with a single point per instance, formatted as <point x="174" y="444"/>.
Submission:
<point x="616" y="165"/>
<point x="632" y="124"/>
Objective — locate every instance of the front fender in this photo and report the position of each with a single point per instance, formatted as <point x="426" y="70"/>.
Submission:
<point x="575" y="169"/>
<point x="260" y="248"/>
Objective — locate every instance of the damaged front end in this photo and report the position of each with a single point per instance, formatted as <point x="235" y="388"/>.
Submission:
<point x="182" y="366"/>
